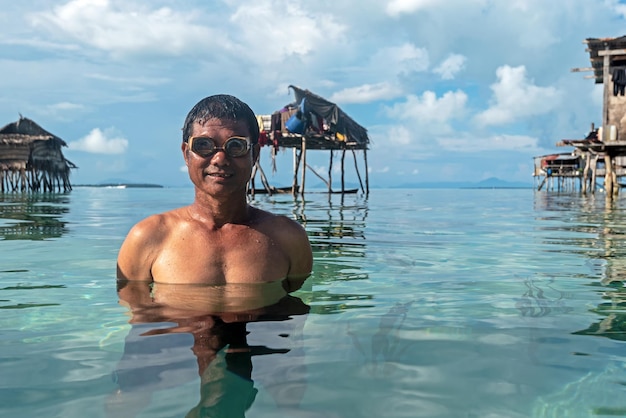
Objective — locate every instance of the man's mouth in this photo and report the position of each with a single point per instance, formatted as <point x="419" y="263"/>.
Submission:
<point x="220" y="175"/>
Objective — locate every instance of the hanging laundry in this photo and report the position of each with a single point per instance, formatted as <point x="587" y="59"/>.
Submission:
<point x="263" y="140"/>
<point x="619" y="81"/>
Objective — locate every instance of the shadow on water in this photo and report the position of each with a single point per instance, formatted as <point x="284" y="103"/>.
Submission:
<point x="597" y="230"/>
<point x="33" y="216"/>
<point x="235" y="338"/>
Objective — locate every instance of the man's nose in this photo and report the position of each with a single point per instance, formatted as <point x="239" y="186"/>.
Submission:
<point x="219" y="157"/>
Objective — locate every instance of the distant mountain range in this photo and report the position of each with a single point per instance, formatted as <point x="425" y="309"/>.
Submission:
<point x="490" y="183"/>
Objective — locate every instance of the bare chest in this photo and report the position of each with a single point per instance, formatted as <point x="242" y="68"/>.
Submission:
<point x="233" y="255"/>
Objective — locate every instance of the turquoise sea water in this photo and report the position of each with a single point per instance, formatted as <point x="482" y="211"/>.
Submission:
<point x="422" y="303"/>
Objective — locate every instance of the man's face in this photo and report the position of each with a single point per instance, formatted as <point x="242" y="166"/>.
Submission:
<point x="219" y="173"/>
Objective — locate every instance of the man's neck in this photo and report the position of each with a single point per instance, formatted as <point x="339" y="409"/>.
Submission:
<point x="217" y="213"/>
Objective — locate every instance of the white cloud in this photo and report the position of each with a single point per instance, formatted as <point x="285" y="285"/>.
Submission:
<point x="62" y="110"/>
<point x="397" y="7"/>
<point x="618" y="7"/>
<point x="123" y="29"/>
<point x="38" y="43"/>
<point x="389" y="65"/>
<point x="62" y="106"/>
<point x="273" y="30"/>
<point x="451" y="66"/>
<point x="99" y="142"/>
<point x="403" y="59"/>
<point x="399" y="135"/>
<point x="429" y="108"/>
<point x="516" y="97"/>
<point x="366" y="93"/>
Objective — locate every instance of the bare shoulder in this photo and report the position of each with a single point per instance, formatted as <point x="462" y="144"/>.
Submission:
<point x="141" y="246"/>
<point x="154" y="227"/>
<point x="293" y="240"/>
<point x="278" y="224"/>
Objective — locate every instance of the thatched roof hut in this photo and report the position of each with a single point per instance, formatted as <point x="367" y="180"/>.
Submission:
<point x="31" y="159"/>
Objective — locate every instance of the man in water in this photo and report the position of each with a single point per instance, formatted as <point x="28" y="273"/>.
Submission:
<point x="219" y="239"/>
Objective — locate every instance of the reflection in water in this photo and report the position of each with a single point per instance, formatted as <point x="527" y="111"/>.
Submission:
<point x="33" y="216"/>
<point x="613" y="315"/>
<point x="336" y="230"/>
<point x="597" y="231"/>
<point x="220" y="325"/>
<point x="337" y="235"/>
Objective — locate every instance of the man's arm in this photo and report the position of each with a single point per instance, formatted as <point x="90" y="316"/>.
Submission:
<point x="138" y="251"/>
<point x="298" y="248"/>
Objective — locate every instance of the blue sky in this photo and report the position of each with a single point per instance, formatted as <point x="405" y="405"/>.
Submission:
<point x="456" y="90"/>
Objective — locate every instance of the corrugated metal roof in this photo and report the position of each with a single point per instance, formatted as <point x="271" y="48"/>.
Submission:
<point x="595" y="45"/>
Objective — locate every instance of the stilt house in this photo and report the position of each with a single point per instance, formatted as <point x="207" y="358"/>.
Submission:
<point x="558" y="171"/>
<point x="603" y="150"/>
<point x="312" y="123"/>
<point x="31" y="159"/>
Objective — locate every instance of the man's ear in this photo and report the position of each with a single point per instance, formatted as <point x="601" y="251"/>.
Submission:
<point x="185" y="149"/>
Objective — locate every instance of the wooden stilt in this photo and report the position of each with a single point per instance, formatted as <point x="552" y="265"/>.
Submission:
<point x="583" y="183"/>
<point x="343" y="171"/>
<point x="608" y="177"/>
<point x="303" y="164"/>
<point x="356" y="168"/>
<point x="367" y="179"/>
<point x="266" y="183"/>
<point x="296" y="164"/>
<point x="330" y="172"/>
<point x="318" y="175"/>
<point x="594" y="171"/>
<point x="615" y="183"/>
<point x="542" y="183"/>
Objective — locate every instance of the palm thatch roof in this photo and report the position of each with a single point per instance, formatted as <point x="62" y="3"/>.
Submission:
<point x="31" y="158"/>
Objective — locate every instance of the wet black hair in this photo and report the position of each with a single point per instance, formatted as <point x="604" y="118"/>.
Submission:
<point x="223" y="107"/>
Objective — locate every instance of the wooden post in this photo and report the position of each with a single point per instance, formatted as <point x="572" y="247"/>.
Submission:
<point x="330" y="173"/>
<point x="583" y="183"/>
<point x="318" y="176"/>
<point x="356" y="167"/>
<point x="266" y="183"/>
<point x="367" y="180"/>
<point x="343" y="184"/>
<point x="296" y="163"/>
<point x="594" y="172"/>
<point x="606" y="95"/>
<point x="542" y="183"/>
<point x="303" y="163"/>
<point x="608" y="176"/>
<point x="615" y="183"/>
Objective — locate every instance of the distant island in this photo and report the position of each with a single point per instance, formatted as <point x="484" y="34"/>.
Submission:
<point x="121" y="185"/>
<point x="490" y="183"/>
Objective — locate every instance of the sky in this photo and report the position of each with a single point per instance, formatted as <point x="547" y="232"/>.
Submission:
<point x="449" y="90"/>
